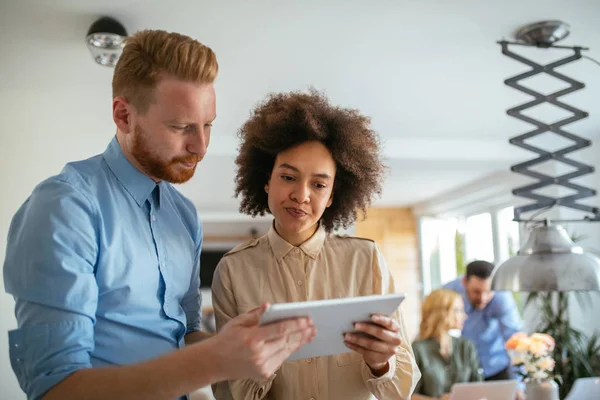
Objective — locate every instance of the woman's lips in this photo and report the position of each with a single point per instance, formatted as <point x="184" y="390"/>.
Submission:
<point x="295" y="212"/>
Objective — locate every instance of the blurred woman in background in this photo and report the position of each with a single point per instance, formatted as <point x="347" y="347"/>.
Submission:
<point x="443" y="359"/>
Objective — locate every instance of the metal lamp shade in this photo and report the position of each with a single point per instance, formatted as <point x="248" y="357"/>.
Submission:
<point x="543" y="34"/>
<point x="105" y="40"/>
<point x="548" y="262"/>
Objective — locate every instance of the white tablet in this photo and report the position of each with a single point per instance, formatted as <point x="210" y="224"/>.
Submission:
<point x="489" y="390"/>
<point x="332" y="318"/>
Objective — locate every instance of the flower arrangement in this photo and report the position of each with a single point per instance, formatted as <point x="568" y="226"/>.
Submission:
<point x="532" y="354"/>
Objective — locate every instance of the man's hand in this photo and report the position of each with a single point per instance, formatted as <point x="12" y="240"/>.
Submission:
<point x="245" y="350"/>
<point x="379" y="346"/>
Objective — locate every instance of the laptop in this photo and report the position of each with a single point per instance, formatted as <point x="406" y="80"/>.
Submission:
<point x="491" y="390"/>
<point x="585" y="389"/>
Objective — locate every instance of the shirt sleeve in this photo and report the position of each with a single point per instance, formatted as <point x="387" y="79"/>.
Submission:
<point x="419" y="362"/>
<point x="453" y="285"/>
<point x="506" y="311"/>
<point x="192" y="300"/>
<point x="225" y="310"/>
<point x="401" y="379"/>
<point x="49" y="269"/>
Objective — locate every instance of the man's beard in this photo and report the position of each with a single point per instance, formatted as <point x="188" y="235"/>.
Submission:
<point x="153" y="166"/>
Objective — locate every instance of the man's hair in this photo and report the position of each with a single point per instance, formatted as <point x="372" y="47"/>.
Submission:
<point x="285" y="120"/>
<point x="480" y="269"/>
<point x="150" y="54"/>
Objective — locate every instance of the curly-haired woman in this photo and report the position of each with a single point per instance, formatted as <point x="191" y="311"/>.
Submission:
<point x="444" y="360"/>
<point x="313" y="166"/>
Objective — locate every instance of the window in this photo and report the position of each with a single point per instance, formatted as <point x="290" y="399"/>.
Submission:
<point x="438" y="254"/>
<point x="508" y="234"/>
<point x="508" y="244"/>
<point x="448" y="245"/>
<point x="479" y="241"/>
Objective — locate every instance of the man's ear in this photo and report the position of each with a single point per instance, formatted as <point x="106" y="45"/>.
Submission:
<point x="123" y="115"/>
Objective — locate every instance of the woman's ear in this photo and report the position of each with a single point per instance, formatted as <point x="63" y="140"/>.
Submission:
<point x="267" y="188"/>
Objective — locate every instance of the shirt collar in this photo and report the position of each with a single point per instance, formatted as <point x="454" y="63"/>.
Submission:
<point x="312" y="247"/>
<point x="136" y="183"/>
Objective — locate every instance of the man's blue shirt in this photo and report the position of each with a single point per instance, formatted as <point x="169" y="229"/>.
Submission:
<point x="103" y="264"/>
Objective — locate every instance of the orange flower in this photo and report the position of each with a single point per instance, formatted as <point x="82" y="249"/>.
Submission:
<point x="537" y="348"/>
<point x="515" y="340"/>
<point x="547" y="340"/>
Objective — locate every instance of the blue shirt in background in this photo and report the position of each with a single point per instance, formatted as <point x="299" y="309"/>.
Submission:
<point x="490" y="328"/>
<point x="103" y="264"/>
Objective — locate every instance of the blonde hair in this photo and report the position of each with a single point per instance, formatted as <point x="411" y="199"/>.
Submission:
<point x="435" y="313"/>
<point x="149" y="54"/>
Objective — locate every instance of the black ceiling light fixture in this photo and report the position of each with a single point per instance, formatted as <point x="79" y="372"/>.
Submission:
<point x="549" y="261"/>
<point x="106" y="39"/>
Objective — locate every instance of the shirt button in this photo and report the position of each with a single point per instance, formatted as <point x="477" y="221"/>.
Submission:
<point x="153" y="217"/>
<point x="296" y="250"/>
<point x="16" y="346"/>
<point x="312" y="398"/>
<point x="299" y="283"/>
<point x="308" y="361"/>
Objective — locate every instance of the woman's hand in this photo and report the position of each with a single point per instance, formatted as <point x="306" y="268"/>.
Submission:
<point x="377" y="341"/>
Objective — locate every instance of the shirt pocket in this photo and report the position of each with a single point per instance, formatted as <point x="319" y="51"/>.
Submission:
<point x="346" y="359"/>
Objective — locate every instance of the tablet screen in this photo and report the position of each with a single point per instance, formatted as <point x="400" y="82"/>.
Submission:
<point x="332" y="318"/>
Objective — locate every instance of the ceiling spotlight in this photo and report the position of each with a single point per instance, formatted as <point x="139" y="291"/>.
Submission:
<point x="543" y="34"/>
<point x="106" y="39"/>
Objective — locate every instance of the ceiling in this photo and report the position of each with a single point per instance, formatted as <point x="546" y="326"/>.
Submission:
<point x="429" y="74"/>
